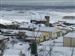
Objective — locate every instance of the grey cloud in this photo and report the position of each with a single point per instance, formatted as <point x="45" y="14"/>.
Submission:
<point x="38" y="2"/>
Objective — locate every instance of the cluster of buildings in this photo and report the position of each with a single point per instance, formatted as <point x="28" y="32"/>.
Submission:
<point x="40" y="31"/>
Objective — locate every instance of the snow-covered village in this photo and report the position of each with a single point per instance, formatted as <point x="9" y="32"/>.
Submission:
<point x="36" y="32"/>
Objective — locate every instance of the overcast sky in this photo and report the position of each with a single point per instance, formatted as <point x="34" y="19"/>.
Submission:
<point x="39" y="2"/>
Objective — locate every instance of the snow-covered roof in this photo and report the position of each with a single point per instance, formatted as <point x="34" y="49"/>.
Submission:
<point x="47" y="29"/>
<point x="3" y="37"/>
<point x="33" y="34"/>
<point x="70" y="35"/>
<point x="27" y="25"/>
<point x="28" y="33"/>
<point x="39" y="19"/>
<point x="5" y="22"/>
<point x="30" y="25"/>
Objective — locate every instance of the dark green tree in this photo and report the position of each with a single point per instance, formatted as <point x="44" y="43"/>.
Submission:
<point x="34" y="48"/>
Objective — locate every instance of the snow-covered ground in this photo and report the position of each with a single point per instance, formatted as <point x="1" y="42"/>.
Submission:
<point x="17" y="48"/>
<point x="32" y="14"/>
<point x="44" y="49"/>
<point x="47" y="48"/>
<point x="55" y="48"/>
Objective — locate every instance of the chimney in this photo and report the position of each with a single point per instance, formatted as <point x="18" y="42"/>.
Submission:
<point x="47" y="20"/>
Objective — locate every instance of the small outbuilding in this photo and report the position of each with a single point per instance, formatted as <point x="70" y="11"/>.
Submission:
<point x="69" y="39"/>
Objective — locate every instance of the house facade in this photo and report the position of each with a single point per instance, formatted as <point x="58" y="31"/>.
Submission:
<point x="69" y="39"/>
<point x="49" y="33"/>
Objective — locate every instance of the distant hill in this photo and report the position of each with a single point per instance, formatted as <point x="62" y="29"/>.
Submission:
<point x="33" y="6"/>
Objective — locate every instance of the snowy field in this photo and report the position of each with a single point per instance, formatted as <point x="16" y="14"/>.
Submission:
<point x="55" y="48"/>
<point x="47" y="48"/>
<point x="6" y="17"/>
